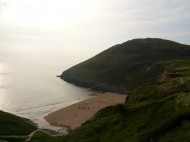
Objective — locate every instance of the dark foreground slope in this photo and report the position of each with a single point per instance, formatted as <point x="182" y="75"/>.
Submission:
<point x="14" y="128"/>
<point x="14" y="125"/>
<point x="125" y="66"/>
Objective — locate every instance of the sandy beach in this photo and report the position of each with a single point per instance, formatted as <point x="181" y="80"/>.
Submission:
<point x="75" y="115"/>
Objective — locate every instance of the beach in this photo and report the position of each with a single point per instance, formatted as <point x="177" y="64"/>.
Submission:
<point x="75" y="115"/>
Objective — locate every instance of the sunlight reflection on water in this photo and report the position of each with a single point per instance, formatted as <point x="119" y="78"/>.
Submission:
<point x="4" y="81"/>
<point x="30" y="88"/>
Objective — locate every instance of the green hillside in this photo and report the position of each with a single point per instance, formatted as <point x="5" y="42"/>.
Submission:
<point x="14" y="128"/>
<point x="14" y="125"/>
<point x="125" y="66"/>
<point x="157" y="109"/>
<point x="157" y="112"/>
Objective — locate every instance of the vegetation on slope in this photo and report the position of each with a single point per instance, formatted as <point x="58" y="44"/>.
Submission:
<point x="14" y="125"/>
<point x="155" y="111"/>
<point x="142" y="118"/>
<point x="14" y="128"/>
<point x="125" y="66"/>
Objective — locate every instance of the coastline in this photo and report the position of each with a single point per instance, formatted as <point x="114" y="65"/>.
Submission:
<point x="75" y="115"/>
<point x="69" y="77"/>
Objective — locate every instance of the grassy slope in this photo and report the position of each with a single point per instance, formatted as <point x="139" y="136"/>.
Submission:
<point x="11" y="125"/>
<point x="14" y="125"/>
<point x="156" y="111"/>
<point x="125" y="66"/>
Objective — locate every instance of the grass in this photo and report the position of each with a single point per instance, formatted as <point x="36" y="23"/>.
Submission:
<point x="43" y="137"/>
<point x="181" y="134"/>
<point x="14" y="128"/>
<point x="157" y="74"/>
<point x="129" y="65"/>
<point x="14" y="125"/>
<point x="153" y="118"/>
<point x="139" y="119"/>
<point x="157" y="109"/>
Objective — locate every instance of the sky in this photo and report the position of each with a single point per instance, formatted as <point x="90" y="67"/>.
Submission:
<point x="87" y="27"/>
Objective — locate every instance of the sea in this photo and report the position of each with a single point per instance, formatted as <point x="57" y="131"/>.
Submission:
<point x="29" y="87"/>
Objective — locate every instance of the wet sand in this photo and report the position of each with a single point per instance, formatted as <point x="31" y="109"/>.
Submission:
<point x="75" y="115"/>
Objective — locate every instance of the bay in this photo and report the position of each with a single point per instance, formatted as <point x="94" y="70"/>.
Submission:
<point x="29" y="86"/>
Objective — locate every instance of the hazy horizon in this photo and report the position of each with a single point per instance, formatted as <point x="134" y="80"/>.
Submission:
<point x="85" y="28"/>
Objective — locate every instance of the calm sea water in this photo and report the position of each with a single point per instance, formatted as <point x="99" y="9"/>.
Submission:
<point x="29" y="86"/>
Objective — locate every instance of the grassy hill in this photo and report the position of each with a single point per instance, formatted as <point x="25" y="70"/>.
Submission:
<point x="157" y="112"/>
<point x="125" y="66"/>
<point x="157" y="109"/>
<point x="14" y="128"/>
<point x="14" y="125"/>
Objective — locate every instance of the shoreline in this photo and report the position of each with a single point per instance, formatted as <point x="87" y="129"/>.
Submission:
<point x="90" y="84"/>
<point x="75" y="115"/>
<point x="39" y="120"/>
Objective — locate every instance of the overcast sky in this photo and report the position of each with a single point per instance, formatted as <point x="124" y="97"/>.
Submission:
<point x="88" y="26"/>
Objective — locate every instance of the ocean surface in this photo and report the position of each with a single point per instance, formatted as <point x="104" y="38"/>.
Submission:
<point x="29" y="86"/>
